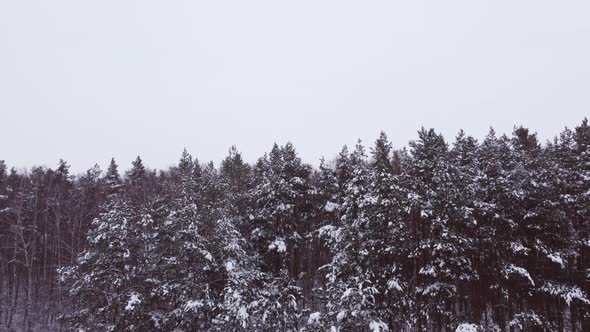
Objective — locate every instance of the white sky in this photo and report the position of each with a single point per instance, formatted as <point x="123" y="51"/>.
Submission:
<point x="87" y="80"/>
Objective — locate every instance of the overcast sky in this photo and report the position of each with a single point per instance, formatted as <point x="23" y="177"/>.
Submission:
<point x="87" y="80"/>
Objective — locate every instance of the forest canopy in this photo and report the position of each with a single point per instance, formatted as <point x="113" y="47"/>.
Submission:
<point x="467" y="235"/>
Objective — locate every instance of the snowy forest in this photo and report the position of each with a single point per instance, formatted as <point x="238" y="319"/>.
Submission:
<point x="489" y="234"/>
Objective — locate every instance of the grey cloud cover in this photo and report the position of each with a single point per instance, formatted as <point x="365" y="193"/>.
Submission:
<point x="87" y="80"/>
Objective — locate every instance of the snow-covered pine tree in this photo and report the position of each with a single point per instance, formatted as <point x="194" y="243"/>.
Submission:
<point x="491" y="236"/>
<point x="112" y="178"/>
<point x="326" y="202"/>
<point x="331" y="189"/>
<point x="235" y="172"/>
<point x="328" y="195"/>
<point x="107" y="280"/>
<point x="91" y="192"/>
<point x="582" y="221"/>
<point x="233" y="275"/>
<point x="443" y="250"/>
<point x="137" y="171"/>
<point x="496" y="243"/>
<point x="282" y="204"/>
<point x="3" y="186"/>
<point x="238" y="179"/>
<point x="351" y="291"/>
<point x="532" y="195"/>
<point x="563" y="299"/>
<point x="241" y="278"/>
<point x="182" y="261"/>
<point x="385" y="237"/>
<point x="137" y="182"/>
<point x="464" y="156"/>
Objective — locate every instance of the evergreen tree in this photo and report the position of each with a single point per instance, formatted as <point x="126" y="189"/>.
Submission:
<point x="235" y="171"/>
<point x="137" y="177"/>
<point x="492" y="236"/>
<point x="238" y="180"/>
<point x="352" y="303"/>
<point x="3" y="183"/>
<point x="137" y="171"/>
<point x="581" y="199"/>
<point x="112" y="178"/>
<point x="385" y="237"/>
<point x="182" y="258"/>
<point x="443" y="251"/>
<point x="106" y="280"/>
<point x="280" y="216"/>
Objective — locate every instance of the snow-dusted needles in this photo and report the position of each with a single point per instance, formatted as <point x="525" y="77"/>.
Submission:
<point x="469" y="236"/>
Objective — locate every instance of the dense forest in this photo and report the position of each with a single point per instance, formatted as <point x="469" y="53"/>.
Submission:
<point x="469" y="235"/>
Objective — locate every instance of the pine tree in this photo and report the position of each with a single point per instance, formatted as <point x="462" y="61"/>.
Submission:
<point x="492" y="236"/>
<point x="329" y="202"/>
<point x="582" y="220"/>
<point x="443" y="250"/>
<point x="233" y="270"/>
<point x="137" y="171"/>
<point x="464" y="155"/>
<point x="240" y="274"/>
<point x="325" y="220"/>
<point x="343" y="171"/>
<point x="280" y="216"/>
<point x="352" y="293"/>
<point x="501" y="195"/>
<point x="63" y="170"/>
<point x="137" y="178"/>
<point x="529" y="227"/>
<point x="3" y="183"/>
<point x="106" y="280"/>
<point x="557" y="255"/>
<point x="112" y="178"/>
<point x="328" y="194"/>
<point x="235" y="171"/>
<point x="92" y="196"/>
<point x="181" y="257"/>
<point x="238" y="180"/>
<point x="385" y="237"/>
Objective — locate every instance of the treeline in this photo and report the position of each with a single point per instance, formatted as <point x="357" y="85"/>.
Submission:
<point x="474" y="236"/>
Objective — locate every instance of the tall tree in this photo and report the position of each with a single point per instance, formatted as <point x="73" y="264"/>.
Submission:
<point x="112" y="178"/>
<point x="443" y="250"/>
<point x="385" y="237"/>
<point x="352" y="303"/>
